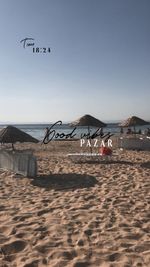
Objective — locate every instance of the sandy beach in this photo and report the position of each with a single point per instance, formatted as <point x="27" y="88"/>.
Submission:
<point x="76" y="215"/>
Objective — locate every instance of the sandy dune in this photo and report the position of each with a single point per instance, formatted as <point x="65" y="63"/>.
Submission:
<point x="76" y="215"/>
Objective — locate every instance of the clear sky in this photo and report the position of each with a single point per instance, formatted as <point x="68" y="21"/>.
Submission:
<point x="99" y="62"/>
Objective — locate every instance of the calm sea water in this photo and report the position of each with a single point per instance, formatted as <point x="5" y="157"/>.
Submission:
<point x="38" y="130"/>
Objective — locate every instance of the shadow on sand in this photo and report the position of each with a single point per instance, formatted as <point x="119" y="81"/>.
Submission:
<point x="65" y="181"/>
<point x="146" y="165"/>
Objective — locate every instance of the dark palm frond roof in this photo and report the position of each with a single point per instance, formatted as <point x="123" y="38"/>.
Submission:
<point x="88" y="120"/>
<point x="133" y="121"/>
<point x="11" y="134"/>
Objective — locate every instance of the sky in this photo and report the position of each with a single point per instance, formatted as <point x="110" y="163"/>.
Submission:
<point x="99" y="62"/>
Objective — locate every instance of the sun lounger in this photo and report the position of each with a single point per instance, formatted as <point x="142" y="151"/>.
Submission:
<point x="135" y="143"/>
<point x="91" y="157"/>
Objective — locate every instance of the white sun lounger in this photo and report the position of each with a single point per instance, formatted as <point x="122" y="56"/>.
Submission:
<point x="91" y="157"/>
<point x="134" y="143"/>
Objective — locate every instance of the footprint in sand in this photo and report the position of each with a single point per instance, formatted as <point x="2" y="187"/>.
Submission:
<point x="88" y="232"/>
<point x="80" y="242"/>
<point x="13" y="247"/>
<point x="126" y="245"/>
<point x="7" y="230"/>
<point x="65" y="255"/>
<point x="33" y="263"/>
<point x="81" y="264"/>
<point x="142" y="248"/>
<point x="21" y="235"/>
<point x="133" y="236"/>
<point x="114" y="257"/>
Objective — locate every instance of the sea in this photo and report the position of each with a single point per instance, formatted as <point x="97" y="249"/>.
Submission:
<point x="38" y="130"/>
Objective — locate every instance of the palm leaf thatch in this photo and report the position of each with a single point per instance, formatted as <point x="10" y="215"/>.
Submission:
<point x="133" y="121"/>
<point x="88" y="120"/>
<point x="11" y="134"/>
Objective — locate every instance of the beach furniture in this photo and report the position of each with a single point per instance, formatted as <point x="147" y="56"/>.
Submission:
<point x="20" y="162"/>
<point x="11" y="135"/>
<point x="89" y="121"/>
<point x="134" y="143"/>
<point x="92" y="157"/>
<point x="133" y="122"/>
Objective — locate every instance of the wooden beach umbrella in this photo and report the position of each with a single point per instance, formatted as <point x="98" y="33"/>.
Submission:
<point x="11" y="134"/>
<point x="89" y="121"/>
<point x="133" y="121"/>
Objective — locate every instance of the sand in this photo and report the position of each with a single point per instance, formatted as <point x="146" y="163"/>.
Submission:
<point x="76" y="215"/>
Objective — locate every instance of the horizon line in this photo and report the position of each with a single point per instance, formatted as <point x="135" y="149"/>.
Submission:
<point x="65" y="122"/>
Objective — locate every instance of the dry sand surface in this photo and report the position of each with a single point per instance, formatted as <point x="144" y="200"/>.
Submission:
<point x="76" y="215"/>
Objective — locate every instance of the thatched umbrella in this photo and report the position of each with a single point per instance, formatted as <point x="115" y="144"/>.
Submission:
<point x="11" y="134"/>
<point x="133" y="121"/>
<point x="89" y="121"/>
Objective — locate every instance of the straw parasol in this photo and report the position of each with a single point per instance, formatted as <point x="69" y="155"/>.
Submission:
<point x="11" y="134"/>
<point x="133" y="121"/>
<point x="89" y="121"/>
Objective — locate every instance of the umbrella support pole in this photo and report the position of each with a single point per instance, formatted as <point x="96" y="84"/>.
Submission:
<point x="90" y="146"/>
<point x="90" y="140"/>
